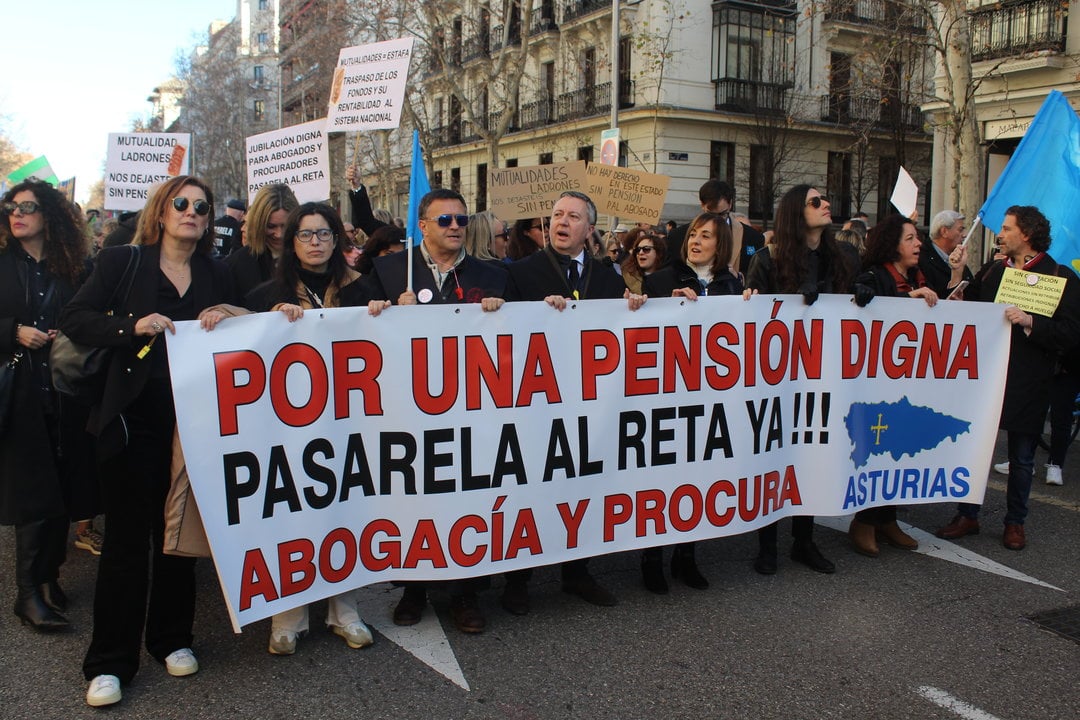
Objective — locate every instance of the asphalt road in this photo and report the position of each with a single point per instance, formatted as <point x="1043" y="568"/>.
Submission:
<point x="906" y="635"/>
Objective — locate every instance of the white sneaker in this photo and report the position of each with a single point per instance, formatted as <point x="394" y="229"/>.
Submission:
<point x="1053" y="475"/>
<point x="103" y="690"/>
<point x="356" y="634"/>
<point x="282" y="642"/>
<point x="1002" y="468"/>
<point x="181" y="663"/>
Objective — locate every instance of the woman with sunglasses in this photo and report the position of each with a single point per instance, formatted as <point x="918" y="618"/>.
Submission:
<point x="703" y="272"/>
<point x="803" y="258"/>
<point x="312" y="274"/>
<point x="254" y="263"/>
<point x="481" y="239"/>
<point x="42" y="261"/>
<point x="527" y="236"/>
<point x="890" y="269"/>
<point x="134" y="295"/>
<point x="645" y="256"/>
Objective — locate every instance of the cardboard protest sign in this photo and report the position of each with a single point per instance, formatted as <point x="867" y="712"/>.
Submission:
<point x="135" y="162"/>
<point x="627" y="194"/>
<point x="441" y="442"/>
<point x="298" y="156"/>
<point x="1031" y="292"/>
<point x="369" y="86"/>
<point x="529" y="192"/>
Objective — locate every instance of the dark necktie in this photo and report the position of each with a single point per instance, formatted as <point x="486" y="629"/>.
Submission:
<point x="575" y="280"/>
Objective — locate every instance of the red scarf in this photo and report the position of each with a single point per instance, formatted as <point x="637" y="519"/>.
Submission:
<point x="903" y="284"/>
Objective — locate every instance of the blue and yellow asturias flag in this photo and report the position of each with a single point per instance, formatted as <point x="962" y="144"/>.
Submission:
<point x="1045" y="172"/>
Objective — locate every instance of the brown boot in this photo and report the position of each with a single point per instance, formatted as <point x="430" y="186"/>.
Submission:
<point x="862" y="538"/>
<point x="891" y="533"/>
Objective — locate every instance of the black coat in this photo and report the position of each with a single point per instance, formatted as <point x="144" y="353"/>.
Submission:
<point x="936" y="270"/>
<point x="33" y="485"/>
<point x="476" y="278"/>
<point x="665" y="280"/>
<point x="248" y="270"/>
<point x="1032" y="357"/>
<point x="539" y="275"/>
<point x="85" y="321"/>
<point x="762" y="274"/>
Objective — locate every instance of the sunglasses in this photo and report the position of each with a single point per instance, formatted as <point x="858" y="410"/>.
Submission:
<point x="817" y="201"/>
<point x="201" y="207"/>
<point x="26" y="207"/>
<point x="445" y="221"/>
<point x="323" y="234"/>
<point x="644" y="249"/>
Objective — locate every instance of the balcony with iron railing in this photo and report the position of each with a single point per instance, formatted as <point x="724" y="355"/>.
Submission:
<point x="500" y="39"/>
<point x="886" y="15"/>
<point x="877" y="111"/>
<point x="476" y="47"/>
<point x="575" y="9"/>
<point x="593" y="100"/>
<point x="1017" y="28"/>
<point x="543" y="20"/>
<point x="748" y="96"/>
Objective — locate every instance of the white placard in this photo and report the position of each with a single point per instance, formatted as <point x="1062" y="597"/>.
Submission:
<point x="369" y="86"/>
<point x="905" y="194"/>
<point x="297" y="156"/>
<point x="135" y="162"/>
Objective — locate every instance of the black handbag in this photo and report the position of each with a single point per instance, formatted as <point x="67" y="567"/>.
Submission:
<point x="7" y="390"/>
<point x="79" y="370"/>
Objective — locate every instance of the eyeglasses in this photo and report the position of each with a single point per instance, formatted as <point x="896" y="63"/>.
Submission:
<point x="445" y="221"/>
<point x="26" y="207"/>
<point x="536" y="227"/>
<point x="201" y="207"/>
<point x="323" y="234"/>
<point x="644" y="249"/>
<point x="817" y="201"/>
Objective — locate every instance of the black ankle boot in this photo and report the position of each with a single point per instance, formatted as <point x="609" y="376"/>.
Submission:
<point x="652" y="571"/>
<point x="30" y="606"/>
<point x="32" y="610"/>
<point x="54" y="596"/>
<point x="683" y="565"/>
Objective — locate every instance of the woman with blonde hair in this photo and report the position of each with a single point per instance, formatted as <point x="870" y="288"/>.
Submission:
<point x="264" y="226"/>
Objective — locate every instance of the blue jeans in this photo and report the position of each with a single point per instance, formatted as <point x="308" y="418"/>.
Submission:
<point x="1021" y="469"/>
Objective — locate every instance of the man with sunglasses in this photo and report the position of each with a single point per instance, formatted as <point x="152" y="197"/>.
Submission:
<point x="442" y="273"/>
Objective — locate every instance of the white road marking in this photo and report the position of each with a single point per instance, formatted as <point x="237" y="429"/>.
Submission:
<point x="945" y="550"/>
<point x="426" y="640"/>
<point x="956" y="705"/>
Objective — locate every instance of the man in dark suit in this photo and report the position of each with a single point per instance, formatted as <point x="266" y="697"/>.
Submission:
<point x="1036" y="343"/>
<point x="564" y="271"/>
<point x="717" y="196"/>
<point x="942" y="273"/>
<point x="442" y="272"/>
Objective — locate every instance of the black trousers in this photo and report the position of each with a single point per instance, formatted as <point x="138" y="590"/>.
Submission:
<point x="802" y="528"/>
<point x="134" y="486"/>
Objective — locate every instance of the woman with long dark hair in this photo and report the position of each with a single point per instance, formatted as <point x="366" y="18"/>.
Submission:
<point x="43" y="253"/>
<point x="803" y="258"/>
<point x="646" y="253"/>
<point x="174" y="277"/>
<point x="703" y="272"/>
<point x="890" y="269"/>
<point x="312" y="274"/>
<point x="527" y="236"/>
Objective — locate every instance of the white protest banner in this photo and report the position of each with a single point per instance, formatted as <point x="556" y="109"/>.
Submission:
<point x="369" y="86"/>
<point x="298" y="156"/>
<point x="529" y="192"/>
<point x="627" y="194"/>
<point x="135" y="162"/>
<point x="443" y="442"/>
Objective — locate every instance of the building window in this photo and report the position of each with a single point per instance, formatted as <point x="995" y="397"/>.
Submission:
<point x="585" y="153"/>
<point x="481" y="187"/>
<point x="264" y="41"/>
<point x="761" y="182"/>
<point x="259" y="109"/>
<point x="436" y="179"/>
<point x="722" y="162"/>
<point x="546" y="158"/>
<point x="258" y="74"/>
<point x="511" y="162"/>
<point x="753" y="55"/>
<point x="888" y="168"/>
<point x="455" y="179"/>
<point x="264" y="4"/>
<point x="588" y="67"/>
<point x="838" y="185"/>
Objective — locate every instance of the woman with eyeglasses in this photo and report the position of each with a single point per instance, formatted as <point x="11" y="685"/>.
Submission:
<point x="264" y="225"/>
<point x="803" y="258"/>
<point x="481" y="239"/>
<point x="527" y="236"/>
<point x="312" y="274"/>
<point x="134" y="295"/>
<point x="704" y="271"/>
<point x="645" y="256"/>
<point x="43" y="255"/>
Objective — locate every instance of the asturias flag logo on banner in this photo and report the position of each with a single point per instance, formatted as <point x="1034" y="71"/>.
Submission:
<point x="419" y="186"/>
<point x="1045" y="172"/>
